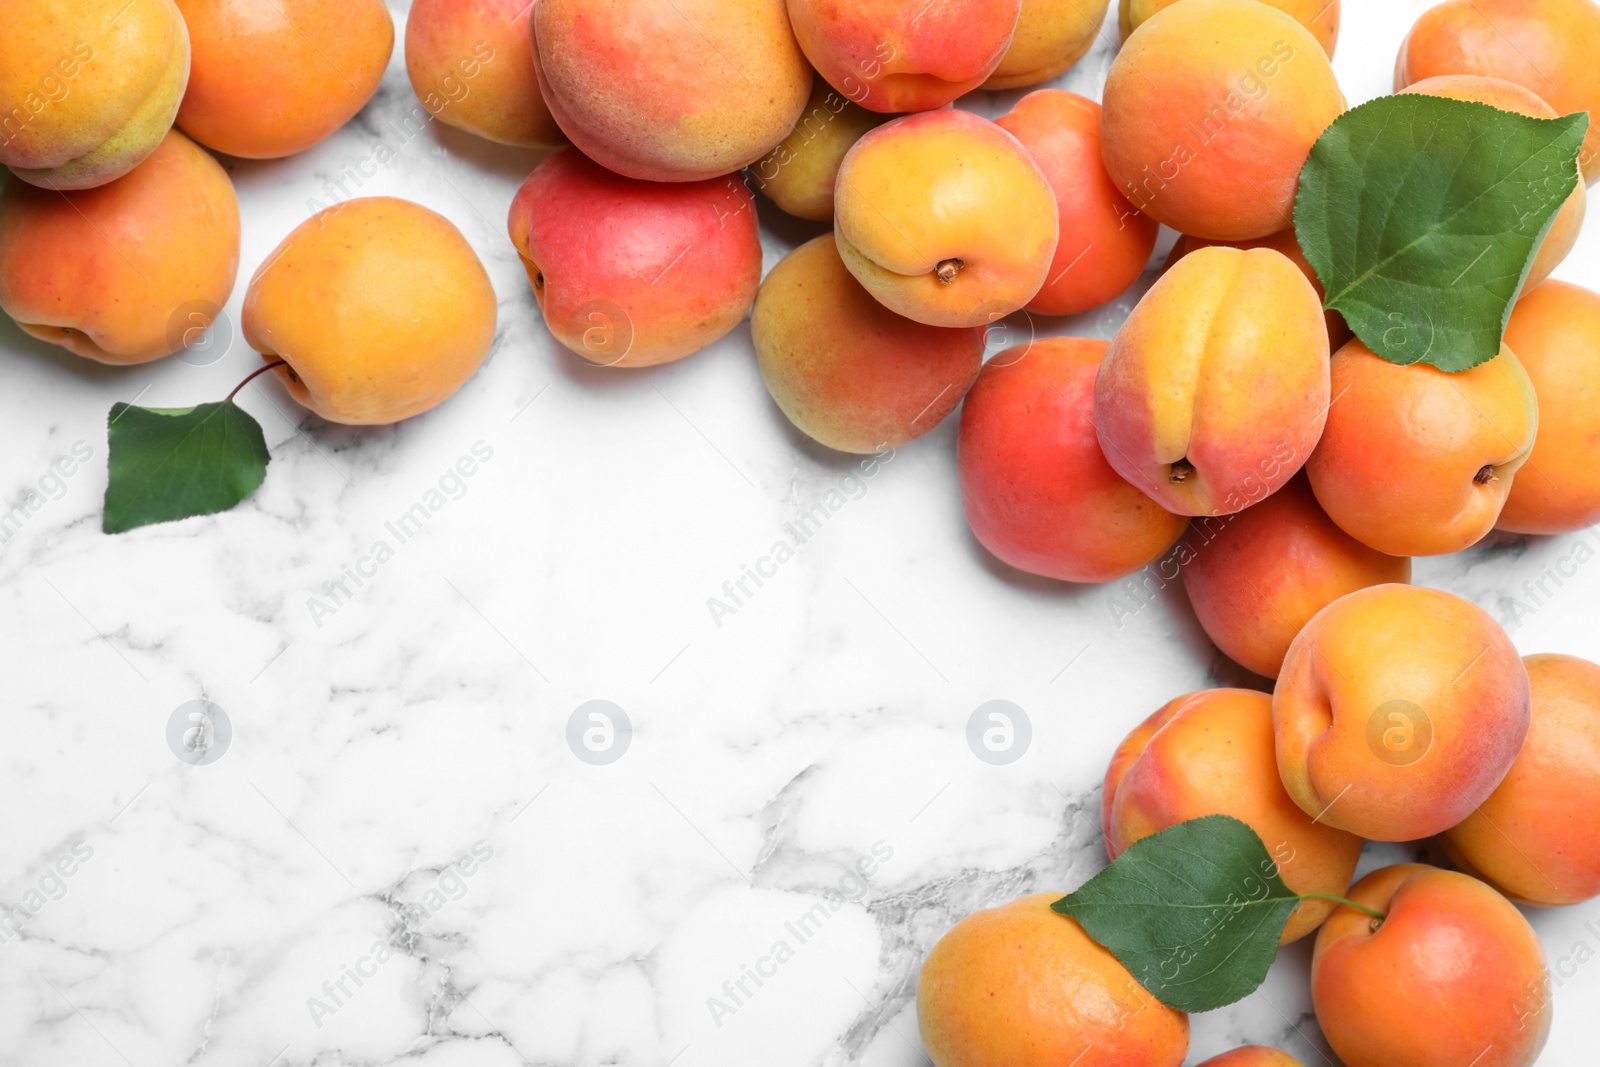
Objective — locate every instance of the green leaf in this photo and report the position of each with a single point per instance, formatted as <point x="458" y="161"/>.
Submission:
<point x="1421" y="216"/>
<point x="168" y="464"/>
<point x="1194" y="912"/>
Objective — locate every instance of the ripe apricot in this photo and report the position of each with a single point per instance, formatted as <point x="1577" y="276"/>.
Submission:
<point x="1211" y="109"/>
<point x="631" y="273"/>
<point x="1215" y="390"/>
<point x="1256" y="578"/>
<point x="1051" y="36"/>
<point x="1253" y="1056"/>
<point x="274" y="77"/>
<point x="1555" y="332"/>
<point x="670" y="92"/>
<point x="1416" y="461"/>
<point x="1288" y="243"/>
<point x="130" y="270"/>
<point x="904" y="55"/>
<point x="1398" y="711"/>
<point x="1321" y="17"/>
<point x="1452" y="975"/>
<point x="1037" y="491"/>
<point x="1544" y="45"/>
<point x="846" y="370"/>
<point x="1022" y="986"/>
<point x="379" y="306"/>
<point x="1536" y="838"/>
<point x="800" y="173"/>
<point x="1104" y="242"/>
<point x="1211" y="753"/>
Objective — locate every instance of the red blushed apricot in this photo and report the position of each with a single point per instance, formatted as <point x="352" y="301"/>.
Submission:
<point x="1020" y="986"/>
<point x="1415" y="461"/>
<point x="1453" y="975"/>
<point x="1211" y="109"/>
<point x="1536" y="838"/>
<point x="472" y="67"/>
<point x="1211" y="753"/>
<point x="1105" y="243"/>
<point x="1398" y="711"/>
<point x="1256" y="578"/>
<point x="1253" y="1056"/>
<point x="904" y="55"/>
<point x="846" y="370"/>
<point x="1321" y="17"/>
<point x="632" y="273"/>
<point x="273" y="77"/>
<point x="1544" y="45"/>
<point x="1555" y="332"/>
<point x="1037" y="491"/>
<point x="1288" y="243"/>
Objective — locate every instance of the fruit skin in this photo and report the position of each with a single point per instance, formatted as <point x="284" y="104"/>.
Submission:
<point x="274" y="77"/>
<point x="1555" y="332"/>
<point x="1104" y="242"/>
<point x="1536" y="839"/>
<point x="1321" y="17"/>
<point x="1453" y="975"/>
<point x="1253" y="1056"/>
<point x="88" y="88"/>
<point x="1211" y="753"/>
<point x="1287" y="242"/>
<point x="1507" y="96"/>
<point x="1223" y="365"/>
<point x="1051" y="36"/>
<point x="904" y="55"/>
<point x="104" y="272"/>
<point x="1211" y="109"/>
<point x="1256" y="578"/>
<point x="1022" y="986"/>
<point x="1398" y="464"/>
<point x="632" y="273"/>
<point x="846" y="370"/>
<point x="670" y="92"/>
<point x="380" y="307"/>
<point x="939" y="188"/>
<point x="1398" y="711"/>
<point x="1037" y="491"/>
<point x="471" y="65"/>
<point x="799" y="174"/>
<point x="1544" y="45"/>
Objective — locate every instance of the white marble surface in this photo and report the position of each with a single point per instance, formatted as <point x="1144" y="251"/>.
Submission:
<point x="417" y="732"/>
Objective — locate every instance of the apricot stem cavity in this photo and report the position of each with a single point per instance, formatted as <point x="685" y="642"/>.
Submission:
<point x="1180" y="472"/>
<point x="947" y="270"/>
<point x="1485" y="474"/>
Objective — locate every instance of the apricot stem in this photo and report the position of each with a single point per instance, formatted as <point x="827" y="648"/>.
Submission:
<point x="948" y="269"/>
<point x="1179" y="472"/>
<point x="1376" y="914"/>
<point x="253" y="375"/>
<point x="1485" y="474"/>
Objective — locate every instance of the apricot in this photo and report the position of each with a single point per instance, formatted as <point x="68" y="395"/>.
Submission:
<point x="1563" y="232"/>
<point x="631" y="273"/>
<point x="1037" y="491"/>
<point x="1022" y="986"/>
<point x="905" y="55"/>
<point x="946" y="218"/>
<point x="800" y="173"/>
<point x="88" y="88"/>
<point x="1452" y="975"/>
<point x="1398" y="711"/>
<point x="379" y="306"/>
<point x="1256" y="578"/>
<point x="846" y="370"/>
<point x="1547" y="46"/>
<point x="1211" y="753"/>
<point x="1104" y="243"/>
<point x="1051" y="36"/>
<point x="1211" y="109"/>
<point x="1321" y="17"/>
<point x="1536" y="838"/>
<point x="274" y="77"/>
<point x="672" y="92"/>
<point x="1416" y="461"/>
<point x="471" y="65"/>
<point x="128" y="271"/>
<point x="1555" y="332"/>
<point x="1253" y="1056"/>
<point x="1288" y="243"/>
<point x="1215" y="389"/>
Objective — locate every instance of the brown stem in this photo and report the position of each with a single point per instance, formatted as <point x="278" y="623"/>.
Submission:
<point x="948" y="269"/>
<point x="1180" y="471"/>
<point x="253" y="375"/>
<point x="1485" y="475"/>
